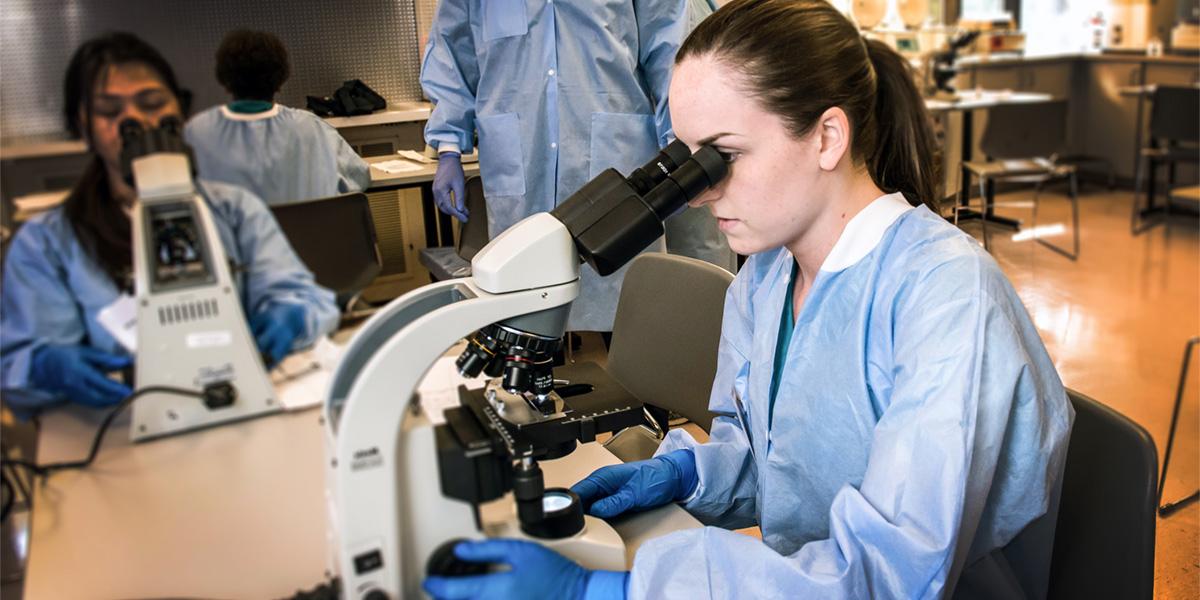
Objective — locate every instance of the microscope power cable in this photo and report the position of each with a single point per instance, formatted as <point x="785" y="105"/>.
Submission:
<point x="45" y="470"/>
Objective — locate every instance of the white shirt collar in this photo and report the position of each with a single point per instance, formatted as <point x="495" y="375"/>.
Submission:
<point x="864" y="231"/>
<point x="258" y="116"/>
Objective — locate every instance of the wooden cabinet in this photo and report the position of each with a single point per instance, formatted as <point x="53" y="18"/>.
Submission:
<point x="1049" y="77"/>
<point x="1054" y="77"/>
<point x="1104" y="113"/>
<point x="1109" y="118"/>
<point x="996" y="77"/>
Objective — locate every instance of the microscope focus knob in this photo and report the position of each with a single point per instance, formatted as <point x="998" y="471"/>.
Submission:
<point x="443" y="562"/>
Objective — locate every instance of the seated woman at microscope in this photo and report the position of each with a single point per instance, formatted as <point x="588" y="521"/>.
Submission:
<point x="68" y="264"/>
<point x="282" y="154"/>
<point x="887" y="414"/>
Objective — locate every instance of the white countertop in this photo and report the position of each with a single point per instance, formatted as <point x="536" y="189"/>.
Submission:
<point x="233" y="511"/>
<point x="40" y="149"/>
<point x="400" y="112"/>
<point x="975" y="99"/>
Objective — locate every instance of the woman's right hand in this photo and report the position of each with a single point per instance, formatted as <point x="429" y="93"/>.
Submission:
<point x="636" y="486"/>
<point x="80" y="373"/>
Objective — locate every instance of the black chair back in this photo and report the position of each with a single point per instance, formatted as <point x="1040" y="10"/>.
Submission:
<point x="1025" y="130"/>
<point x="335" y="238"/>
<point x="1104" y="539"/>
<point x="1175" y="114"/>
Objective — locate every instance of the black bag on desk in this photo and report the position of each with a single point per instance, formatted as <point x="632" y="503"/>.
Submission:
<point x="353" y="98"/>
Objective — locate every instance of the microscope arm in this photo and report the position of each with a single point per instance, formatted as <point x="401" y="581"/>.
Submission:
<point x="532" y="267"/>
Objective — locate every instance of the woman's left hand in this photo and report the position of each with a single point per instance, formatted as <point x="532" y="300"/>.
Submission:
<point x="275" y="330"/>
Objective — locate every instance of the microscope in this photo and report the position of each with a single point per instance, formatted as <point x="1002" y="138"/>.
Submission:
<point x="942" y="68"/>
<point x="402" y="491"/>
<point x="191" y="329"/>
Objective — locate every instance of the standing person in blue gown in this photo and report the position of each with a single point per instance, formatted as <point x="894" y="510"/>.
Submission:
<point x="557" y="92"/>
<point x="887" y="415"/>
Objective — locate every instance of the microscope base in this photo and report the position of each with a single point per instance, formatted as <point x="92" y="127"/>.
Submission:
<point x="597" y="546"/>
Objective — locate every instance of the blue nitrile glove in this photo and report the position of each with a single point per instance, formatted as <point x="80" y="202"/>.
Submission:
<point x="449" y="178"/>
<point x="640" y="485"/>
<point x="276" y="328"/>
<point x="534" y="572"/>
<point x="79" y="373"/>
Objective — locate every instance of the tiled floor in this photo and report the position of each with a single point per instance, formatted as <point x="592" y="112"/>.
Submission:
<point x="1116" y="322"/>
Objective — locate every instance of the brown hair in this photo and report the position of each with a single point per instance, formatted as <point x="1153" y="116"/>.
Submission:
<point x="801" y="57"/>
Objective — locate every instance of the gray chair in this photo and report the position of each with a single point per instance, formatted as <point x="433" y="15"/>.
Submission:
<point x="664" y="344"/>
<point x="446" y="262"/>
<point x="1174" y="139"/>
<point x="1104" y="539"/>
<point x="335" y="238"/>
<point x="1022" y="142"/>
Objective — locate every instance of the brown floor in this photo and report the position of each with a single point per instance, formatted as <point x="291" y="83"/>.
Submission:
<point x="1115" y="323"/>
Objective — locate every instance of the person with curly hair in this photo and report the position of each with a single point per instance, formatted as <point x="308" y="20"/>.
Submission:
<point x="280" y="153"/>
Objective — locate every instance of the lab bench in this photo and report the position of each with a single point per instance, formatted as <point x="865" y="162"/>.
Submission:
<point x="233" y="511"/>
<point x="401" y="204"/>
<point x="1105" y="122"/>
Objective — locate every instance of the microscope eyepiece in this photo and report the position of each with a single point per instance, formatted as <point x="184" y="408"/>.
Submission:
<point x="703" y="170"/>
<point x="612" y="218"/>
<point x="130" y="129"/>
<point x="644" y="178"/>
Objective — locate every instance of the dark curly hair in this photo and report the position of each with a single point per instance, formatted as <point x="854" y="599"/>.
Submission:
<point x="252" y="65"/>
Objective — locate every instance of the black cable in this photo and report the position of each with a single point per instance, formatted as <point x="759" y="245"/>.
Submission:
<point x="11" y="471"/>
<point x="9" y="497"/>
<point x="21" y="487"/>
<point x="45" y="470"/>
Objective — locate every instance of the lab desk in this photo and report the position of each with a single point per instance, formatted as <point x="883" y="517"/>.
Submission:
<point x="235" y="511"/>
<point x="438" y="227"/>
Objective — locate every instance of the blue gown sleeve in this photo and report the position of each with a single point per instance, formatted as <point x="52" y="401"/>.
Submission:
<point x="661" y="29"/>
<point x="273" y="272"/>
<point x="36" y="306"/>
<point x="354" y="174"/>
<point x="965" y="361"/>
<point x="450" y="76"/>
<point x="726" y="493"/>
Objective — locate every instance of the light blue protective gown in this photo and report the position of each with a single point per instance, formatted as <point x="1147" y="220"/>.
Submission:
<point x="283" y="155"/>
<point x="558" y="92"/>
<point x="53" y="289"/>
<point x="918" y="440"/>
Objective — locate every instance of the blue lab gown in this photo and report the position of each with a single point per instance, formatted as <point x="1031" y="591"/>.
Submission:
<point x="283" y="155"/>
<point x="536" y="77"/>
<point x="918" y="438"/>
<point x="53" y="289"/>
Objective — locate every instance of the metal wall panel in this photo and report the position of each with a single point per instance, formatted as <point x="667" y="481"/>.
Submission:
<point x="328" y="42"/>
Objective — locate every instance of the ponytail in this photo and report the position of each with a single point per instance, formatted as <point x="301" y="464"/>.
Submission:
<point x="902" y="159"/>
